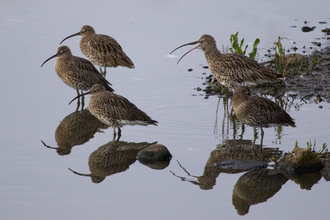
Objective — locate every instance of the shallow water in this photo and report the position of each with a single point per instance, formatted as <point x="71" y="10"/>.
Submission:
<point x="35" y="181"/>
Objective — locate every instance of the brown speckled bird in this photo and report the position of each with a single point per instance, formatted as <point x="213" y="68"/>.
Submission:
<point x="102" y="50"/>
<point x="257" y="111"/>
<point x="232" y="70"/>
<point x="115" y="110"/>
<point x="77" y="72"/>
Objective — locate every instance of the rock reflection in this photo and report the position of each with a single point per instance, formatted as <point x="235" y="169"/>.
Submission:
<point x="76" y="129"/>
<point x="113" y="157"/>
<point x="306" y="181"/>
<point x="255" y="187"/>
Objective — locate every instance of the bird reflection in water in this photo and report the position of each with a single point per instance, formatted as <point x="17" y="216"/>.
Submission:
<point x="76" y="129"/>
<point x="111" y="158"/>
<point x="231" y="150"/>
<point x="255" y="187"/>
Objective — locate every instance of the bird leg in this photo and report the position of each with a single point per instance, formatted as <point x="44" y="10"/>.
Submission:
<point x="119" y="133"/>
<point x="78" y="102"/>
<point x="103" y="73"/>
<point x="261" y="140"/>
<point x="114" y="133"/>
<point x="82" y="101"/>
<point x="254" y="137"/>
<point x="262" y="137"/>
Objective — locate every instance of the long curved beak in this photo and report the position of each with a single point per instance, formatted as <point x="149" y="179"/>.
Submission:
<point x="192" y="43"/>
<point x="80" y="174"/>
<point x="47" y="145"/>
<point x="187" y="53"/>
<point x="49" y="59"/>
<point x="70" y="36"/>
<point x="82" y="94"/>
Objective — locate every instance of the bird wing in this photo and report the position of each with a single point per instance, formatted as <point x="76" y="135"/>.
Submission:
<point x="241" y="68"/>
<point x="118" y="107"/>
<point x="109" y="51"/>
<point x="87" y="73"/>
<point x="268" y="111"/>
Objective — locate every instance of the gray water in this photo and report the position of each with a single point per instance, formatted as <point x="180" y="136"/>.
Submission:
<point x="35" y="182"/>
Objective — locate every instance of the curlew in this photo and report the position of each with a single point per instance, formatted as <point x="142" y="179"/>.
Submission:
<point x="115" y="110"/>
<point x="102" y="50"/>
<point x="232" y="70"/>
<point x="77" y="72"/>
<point x="256" y="111"/>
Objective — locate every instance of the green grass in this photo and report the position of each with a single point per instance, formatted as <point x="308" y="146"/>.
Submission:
<point x="237" y="47"/>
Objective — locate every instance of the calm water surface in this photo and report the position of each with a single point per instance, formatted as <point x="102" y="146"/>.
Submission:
<point x="35" y="180"/>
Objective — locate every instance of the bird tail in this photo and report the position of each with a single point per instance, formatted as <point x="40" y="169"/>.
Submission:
<point x="153" y="122"/>
<point x="107" y="85"/>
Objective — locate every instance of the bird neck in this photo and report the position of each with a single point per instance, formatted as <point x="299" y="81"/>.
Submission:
<point x="239" y="98"/>
<point x="212" y="52"/>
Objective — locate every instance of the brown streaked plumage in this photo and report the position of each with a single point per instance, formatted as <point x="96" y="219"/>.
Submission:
<point x="76" y="72"/>
<point x="102" y="50"/>
<point x="115" y="110"/>
<point x="257" y="111"/>
<point x="76" y="129"/>
<point x="232" y="70"/>
<point x="111" y="158"/>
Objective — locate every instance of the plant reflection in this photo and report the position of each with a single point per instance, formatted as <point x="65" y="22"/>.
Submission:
<point x="76" y="129"/>
<point x="111" y="158"/>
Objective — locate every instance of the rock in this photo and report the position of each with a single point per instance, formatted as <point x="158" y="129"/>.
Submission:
<point x="293" y="59"/>
<point x="301" y="160"/>
<point x="155" y="156"/>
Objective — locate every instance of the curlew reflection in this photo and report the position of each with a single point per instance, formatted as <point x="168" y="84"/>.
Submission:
<point x="76" y="129"/>
<point x="111" y="158"/>
<point x="255" y="187"/>
<point x="241" y="150"/>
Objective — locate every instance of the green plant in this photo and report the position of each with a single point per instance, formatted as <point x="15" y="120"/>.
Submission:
<point x="236" y="47"/>
<point x="254" y="51"/>
<point x="312" y="147"/>
<point x="279" y="55"/>
<point x="310" y="68"/>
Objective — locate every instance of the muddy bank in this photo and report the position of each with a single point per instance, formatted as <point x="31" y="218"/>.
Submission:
<point x="300" y="86"/>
